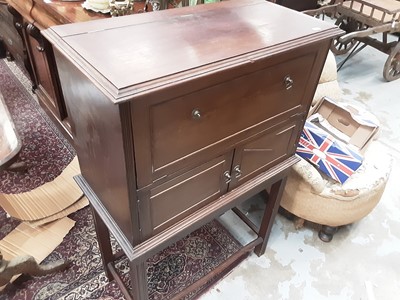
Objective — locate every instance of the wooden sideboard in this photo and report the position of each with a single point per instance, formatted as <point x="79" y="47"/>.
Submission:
<point x="180" y="115"/>
<point x="35" y="54"/>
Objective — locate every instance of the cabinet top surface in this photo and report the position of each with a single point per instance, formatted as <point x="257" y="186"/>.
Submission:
<point x="177" y="44"/>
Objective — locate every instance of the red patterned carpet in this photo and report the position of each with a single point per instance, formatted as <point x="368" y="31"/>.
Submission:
<point x="46" y="153"/>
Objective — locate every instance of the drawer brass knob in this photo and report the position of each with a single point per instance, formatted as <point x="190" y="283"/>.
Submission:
<point x="237" y="171"/>
<point x="227" y="177"/>
<point x="288" y="82"/>
<point x="196" y="114"/>
<point x="18" y="25"/>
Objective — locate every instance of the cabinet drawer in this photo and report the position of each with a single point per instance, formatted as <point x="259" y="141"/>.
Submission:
<point x="185" y="127"/>
<point x="172" y="201"/>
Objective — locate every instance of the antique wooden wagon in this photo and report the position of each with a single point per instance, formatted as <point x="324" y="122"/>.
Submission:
<point x="362" y="20"/>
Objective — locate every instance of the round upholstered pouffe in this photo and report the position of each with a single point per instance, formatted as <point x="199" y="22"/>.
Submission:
<point x="328" y="85"/>
<point x="311" y="196"/>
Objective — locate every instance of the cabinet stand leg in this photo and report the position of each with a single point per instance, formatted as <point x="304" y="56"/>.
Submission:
<point x="269" y="214"/>
<point x="138" y="273"/>
<point x="103" y="238"/>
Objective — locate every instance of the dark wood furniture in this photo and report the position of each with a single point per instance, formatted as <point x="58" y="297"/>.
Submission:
<point x="12" y="45"/>
<point x="28" y="18"/>
<point x="184" y="114"/>
<point x="9" y="37"/>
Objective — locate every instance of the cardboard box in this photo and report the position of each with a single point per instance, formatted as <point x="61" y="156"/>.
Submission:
<point x="330" y="155"/>
<point x="357" y="126"/>
<point x="46" y="200"/>
<point x="81" y="203"/>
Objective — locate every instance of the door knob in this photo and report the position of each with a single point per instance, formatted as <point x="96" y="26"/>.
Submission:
<point x="227" y="177"/>
<point x="237" y="171"/>
<point x="288" y="82"/>
<point x="196" y="114"/>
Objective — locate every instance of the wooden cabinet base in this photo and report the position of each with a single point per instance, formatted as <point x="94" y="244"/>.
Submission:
<point x="105" y="224"/>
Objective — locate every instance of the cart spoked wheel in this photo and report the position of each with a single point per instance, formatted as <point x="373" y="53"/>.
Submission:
<point x="391" y="71"/>
<point x="348" y="25"/>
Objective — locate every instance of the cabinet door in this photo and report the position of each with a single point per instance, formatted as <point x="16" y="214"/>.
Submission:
<point x="264" y="151"/>
<point x="166" y="204"/>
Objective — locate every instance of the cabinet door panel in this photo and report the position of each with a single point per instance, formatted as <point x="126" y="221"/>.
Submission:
<point x="170" y="202"/>
<point x="263" y="152"/>
<point x="42" y="72"/>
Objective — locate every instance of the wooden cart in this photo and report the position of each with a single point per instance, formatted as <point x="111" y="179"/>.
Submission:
<point x="361" y="19"/>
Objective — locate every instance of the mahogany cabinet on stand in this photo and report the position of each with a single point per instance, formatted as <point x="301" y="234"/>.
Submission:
<point x="183" y="115"/>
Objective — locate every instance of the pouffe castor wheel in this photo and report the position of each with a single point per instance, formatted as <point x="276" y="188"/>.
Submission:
<point x="326" y="233"/>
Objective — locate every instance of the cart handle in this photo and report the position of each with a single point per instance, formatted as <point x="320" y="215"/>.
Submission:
<point x="328" y="9"/>
<point x="389" y="28"/>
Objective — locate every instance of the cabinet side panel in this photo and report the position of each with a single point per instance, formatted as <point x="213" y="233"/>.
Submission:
<point x="99" y="142"/>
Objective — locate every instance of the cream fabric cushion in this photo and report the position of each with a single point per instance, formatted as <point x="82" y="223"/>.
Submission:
<point x="328" y="85"/>
<point x="311" y="196"/>
<point x="330" y="89"/>
<point x="329" y="72"/>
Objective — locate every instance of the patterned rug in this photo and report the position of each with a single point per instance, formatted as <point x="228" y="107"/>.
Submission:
<point x="44" y="149"/>
<point x="46" y="153"/>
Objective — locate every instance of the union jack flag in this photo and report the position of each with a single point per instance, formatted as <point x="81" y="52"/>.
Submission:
<point x="333" y="157"/>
